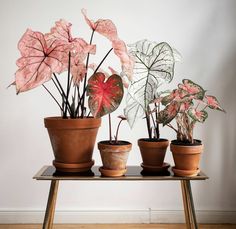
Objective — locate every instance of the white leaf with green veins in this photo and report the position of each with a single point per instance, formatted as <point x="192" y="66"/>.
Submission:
<point x="154" y="65"/>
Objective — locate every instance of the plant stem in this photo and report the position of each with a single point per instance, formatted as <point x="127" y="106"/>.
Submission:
<point x="102" y="60"/>
<point x="84" y="91"/>
<point x="110" y="136"/>
<point x="52" y="97"/>
<point x="117" y="131"/>
<point x="148" y="126"/>
<point x="68" y="89"/>
<point x="157" y="124"/>
<point x="85" y="77"/>
<point x="63" y="93"/>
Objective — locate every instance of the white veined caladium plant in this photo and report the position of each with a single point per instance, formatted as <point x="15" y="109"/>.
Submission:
<point x="187" y="104"/>
<point x="154" y="66"/>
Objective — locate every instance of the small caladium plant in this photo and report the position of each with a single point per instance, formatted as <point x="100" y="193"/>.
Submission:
<point x="154" y="66"/>
<point x="105" y="95"/>
<point x="187" y="104"/>
<point x="45" y="56"/>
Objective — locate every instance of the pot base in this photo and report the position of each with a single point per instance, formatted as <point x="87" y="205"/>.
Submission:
<point x="155" y="169"/>
<point x="185" y="173"/>
<point x="111" y="172"/>
<point x="78" y="167"/>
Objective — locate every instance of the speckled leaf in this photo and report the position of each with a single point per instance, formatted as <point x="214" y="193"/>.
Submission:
<point x="169" y="113"/>
<point x="192" y="89"/>
<point x="213" y="103"/>
<point x="199" y="116"/>
<point x="105" y="95"/>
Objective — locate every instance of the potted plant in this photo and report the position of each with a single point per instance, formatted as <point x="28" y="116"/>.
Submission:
<point x="154" y="66"/>
<point x="43" y="57"/>
<point x="104" y="98"/>
<point x="187" y="104"/>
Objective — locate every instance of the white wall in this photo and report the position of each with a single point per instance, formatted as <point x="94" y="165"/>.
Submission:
<point x="203" y="32"/>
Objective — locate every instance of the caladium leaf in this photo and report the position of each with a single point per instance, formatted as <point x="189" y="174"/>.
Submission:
<point x="40" y="58"/>
<point x="154" y="65"/>
<point x="192" y="89"/>
<point x="213" y="103"/>
<point x="103" y="26"/>
<point x="104" y="96"/>
<point x="199" y="116"/>
<point x="169" y="113"/>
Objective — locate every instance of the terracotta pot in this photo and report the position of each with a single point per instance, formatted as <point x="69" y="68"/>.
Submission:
<point x="153" y="152"/>
<point x="72" y="141"/>
<point x="186" y="157"/>
<point x="114" y="157"/>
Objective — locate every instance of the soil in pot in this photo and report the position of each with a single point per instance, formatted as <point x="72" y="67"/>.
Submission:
<point x="153" y="153"/>
<point x="114" y="157"/>
<point x="73" y="142"/>
<point x="186" y="157"/>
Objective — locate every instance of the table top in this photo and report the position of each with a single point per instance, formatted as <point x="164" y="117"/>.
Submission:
<point x="133" y="173"/>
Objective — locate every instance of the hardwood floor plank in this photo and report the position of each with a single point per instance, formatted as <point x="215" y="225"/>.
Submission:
<point x="117" y="226"/>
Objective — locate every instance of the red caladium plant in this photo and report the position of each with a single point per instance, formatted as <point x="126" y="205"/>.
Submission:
<point x="44" y="56"/>
<point x="187" y="104"/>
<point x="105" y="95"/>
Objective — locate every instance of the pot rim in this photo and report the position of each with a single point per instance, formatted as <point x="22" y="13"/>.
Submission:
<point x="183" y="144"/>
<point x="157" y="140"/>
<point x="104" y="142"/>
<point x="58" y="122"/>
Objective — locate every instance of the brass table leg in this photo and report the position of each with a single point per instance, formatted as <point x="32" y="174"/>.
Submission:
<point x="189" y="210"/>
<point x="52" y="198"/>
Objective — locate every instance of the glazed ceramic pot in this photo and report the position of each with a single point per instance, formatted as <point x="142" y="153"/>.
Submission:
<point x="186" y="157"/>
<point x="114" y="157"/>
<point x="73" y="142"/>
<point x="153" y="154"/>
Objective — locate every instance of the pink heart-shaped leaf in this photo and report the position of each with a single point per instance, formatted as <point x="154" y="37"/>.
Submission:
<point x="40" y="58"/>
<point x="104" y="96"/>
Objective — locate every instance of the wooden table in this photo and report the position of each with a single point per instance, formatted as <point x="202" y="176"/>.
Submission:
<point x="134" y="173"/>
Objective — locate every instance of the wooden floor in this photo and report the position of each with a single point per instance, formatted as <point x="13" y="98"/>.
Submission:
<point x="118" y="226"/>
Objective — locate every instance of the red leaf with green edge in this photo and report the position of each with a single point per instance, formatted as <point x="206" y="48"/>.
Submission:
<point x="104" y="96"/>
<point x="213" y="103"/>
<point x="169" y="113"/>
<point x="192" y="89"/>
<point x="199" y="116"/>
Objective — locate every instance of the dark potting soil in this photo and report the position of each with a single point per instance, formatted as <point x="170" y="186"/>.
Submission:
<point x="115" y="143"/>
<point x="153" y="139"/>
<point x="195" y="143"/>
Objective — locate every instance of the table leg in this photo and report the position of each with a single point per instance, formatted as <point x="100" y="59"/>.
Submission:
<point x="52" y="198"/>
<point x="189" y="210"/>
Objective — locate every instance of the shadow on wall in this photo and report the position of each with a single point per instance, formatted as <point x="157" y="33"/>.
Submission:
<point x="221" y="132"/>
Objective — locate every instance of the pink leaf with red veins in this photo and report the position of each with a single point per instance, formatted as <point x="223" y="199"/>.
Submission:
<point x="40" y="58"/>
<point x="104" y="95"/>
<point x="213" y="103"/>
<point x="103" y="26"/>
<point x="61" y="31"/>
<point x="126" y="60"/>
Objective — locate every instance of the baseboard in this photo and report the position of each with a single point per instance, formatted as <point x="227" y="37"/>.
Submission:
<point x="117" y="216"/>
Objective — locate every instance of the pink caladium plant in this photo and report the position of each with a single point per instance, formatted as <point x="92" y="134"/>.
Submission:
<point x="45" y="56"/>
<point x="187" y="104"/>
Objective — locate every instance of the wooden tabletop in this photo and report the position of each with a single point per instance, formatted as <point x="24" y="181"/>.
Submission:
<point x="133" y="173"/>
